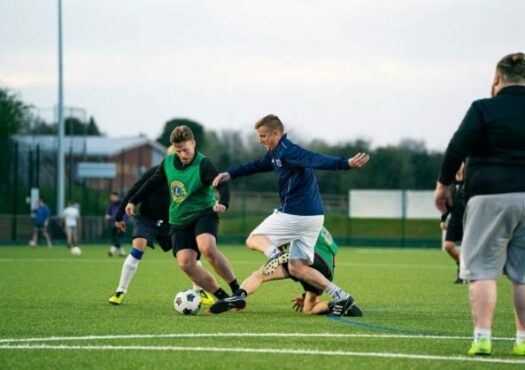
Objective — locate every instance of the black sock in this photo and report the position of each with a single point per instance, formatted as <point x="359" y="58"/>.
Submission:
<point x="241" y="293"/>
<point x="234" y="285"/>
<point x="220" y="294"/>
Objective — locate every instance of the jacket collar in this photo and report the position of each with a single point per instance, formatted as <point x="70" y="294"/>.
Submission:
<point x="512" y="90"/>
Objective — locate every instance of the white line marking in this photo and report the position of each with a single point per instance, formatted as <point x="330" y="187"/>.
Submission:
<point x="267" y="351"/>
<point x="229" y="335"/>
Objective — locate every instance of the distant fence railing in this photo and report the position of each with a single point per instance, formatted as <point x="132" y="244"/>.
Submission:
<point x="363" y="217"/>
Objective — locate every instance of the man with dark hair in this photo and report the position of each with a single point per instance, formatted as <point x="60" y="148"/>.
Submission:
<point x="492" y="140"/>
<point x="116" y="233"/>
<point x="452" y="221"/>
<point x="193" y="212"/>
<point x="40" y="216"/>
<point x="300" y="216"/>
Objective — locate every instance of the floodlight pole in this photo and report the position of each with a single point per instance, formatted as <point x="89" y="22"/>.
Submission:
<point x="60" y="123"/>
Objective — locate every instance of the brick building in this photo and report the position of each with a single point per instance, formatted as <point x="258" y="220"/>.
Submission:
<point x="131" y="155"/>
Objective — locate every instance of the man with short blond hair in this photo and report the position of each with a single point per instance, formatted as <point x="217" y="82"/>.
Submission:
<point x="300" y="216"/>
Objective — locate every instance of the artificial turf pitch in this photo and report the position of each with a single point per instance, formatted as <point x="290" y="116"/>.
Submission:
<point x="55" y="314"/>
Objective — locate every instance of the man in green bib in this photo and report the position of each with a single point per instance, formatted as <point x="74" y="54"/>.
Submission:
<point x="310" y="302"/>
<point x="193" y="212"/>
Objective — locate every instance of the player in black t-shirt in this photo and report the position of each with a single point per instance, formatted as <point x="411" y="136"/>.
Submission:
<point x="452" y="221"/>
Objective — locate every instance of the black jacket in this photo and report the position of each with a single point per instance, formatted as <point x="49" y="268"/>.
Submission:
<point x="492" y="139"/>
<point x="155" y="204"/>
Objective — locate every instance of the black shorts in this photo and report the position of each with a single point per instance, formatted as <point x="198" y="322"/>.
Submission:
<point x="319" y="265"/>
<point x="40" y="228"/>
<point x="150" y="230"/>
<point x="454" y="231"/>
<point x="185" y="237"/>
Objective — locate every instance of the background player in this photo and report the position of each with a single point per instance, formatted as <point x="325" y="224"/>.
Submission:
<point x="452" y="220"/>
<point x="70" y="220"/>
<point x="41" y="216"/>
<point x="116" y="233"/>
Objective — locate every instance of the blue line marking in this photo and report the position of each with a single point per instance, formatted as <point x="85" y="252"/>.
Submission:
<point x="379" y="327"/>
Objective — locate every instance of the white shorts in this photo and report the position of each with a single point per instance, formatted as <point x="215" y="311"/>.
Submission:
<point x="300" y="231"/>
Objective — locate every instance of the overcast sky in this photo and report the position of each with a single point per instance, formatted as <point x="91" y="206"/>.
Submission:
<point x="335" y="70"/>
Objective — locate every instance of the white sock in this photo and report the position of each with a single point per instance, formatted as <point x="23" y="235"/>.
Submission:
<point x="271" y="251"/>
<point x="128" y="270"/>
<point x="481" y="334"/>
<point x="195" y="286"/>
<point x="520" y="337"/>
<point x="335" y="291"/>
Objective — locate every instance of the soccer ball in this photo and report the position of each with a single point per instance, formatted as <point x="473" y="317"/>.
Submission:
<point x="76" y="251"/>
<point x="187" y="302"/>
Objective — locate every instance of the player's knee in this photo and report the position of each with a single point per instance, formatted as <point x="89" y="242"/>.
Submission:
<point x="295" y="269"/>
<point x="449" y="246"/>
<point x="186" y="264"/>
<point x="250" y="242"/>
<point x="140" y="244"/>
<point x="209" y="252"/>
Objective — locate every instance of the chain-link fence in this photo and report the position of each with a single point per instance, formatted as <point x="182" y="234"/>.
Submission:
<point x="247" y="210"/>
<point x="27" y="166"/>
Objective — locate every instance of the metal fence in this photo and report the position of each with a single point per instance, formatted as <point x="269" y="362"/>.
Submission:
<point x="248" y="209"/>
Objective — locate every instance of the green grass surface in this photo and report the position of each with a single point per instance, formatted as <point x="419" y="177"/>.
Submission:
<point x="340" y="225"/>
<point x="404" y="293"/>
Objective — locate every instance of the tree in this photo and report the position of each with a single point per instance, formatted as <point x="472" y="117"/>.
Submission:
<point x="73" y="126"/>
<point x="92" y="128"/>
<point x="14" y="113"/>
<point x="197" y="128"/>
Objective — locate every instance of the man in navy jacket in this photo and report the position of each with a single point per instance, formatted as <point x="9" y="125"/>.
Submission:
<point x="300" y="215"/>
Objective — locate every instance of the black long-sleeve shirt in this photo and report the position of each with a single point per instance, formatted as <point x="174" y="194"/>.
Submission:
<point x="208" y="172"/>
<point x="492" y="139"/>
<point x="154" y="205"/>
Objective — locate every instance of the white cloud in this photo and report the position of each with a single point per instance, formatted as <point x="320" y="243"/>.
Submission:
<point x="380" y="69"/>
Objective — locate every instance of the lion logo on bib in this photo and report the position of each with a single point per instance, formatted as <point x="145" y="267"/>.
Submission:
<point x="178" y="191"/>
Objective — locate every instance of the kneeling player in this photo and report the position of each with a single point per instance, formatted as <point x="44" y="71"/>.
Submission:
<point x="310" y="302"/>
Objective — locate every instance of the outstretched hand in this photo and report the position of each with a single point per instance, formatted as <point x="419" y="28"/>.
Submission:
<point x="358" y="160"/>
<point x="130" y="209"/>
<point x="298" y="303"/>
<point x="222" y="177"/>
